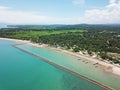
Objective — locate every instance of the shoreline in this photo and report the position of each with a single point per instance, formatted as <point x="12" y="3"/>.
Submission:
<point x="106" y="66"/>
<point x="67" y="70"/>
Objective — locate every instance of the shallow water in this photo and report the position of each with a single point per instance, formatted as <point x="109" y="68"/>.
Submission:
<point x="72" y="63"/>
<point x="21" y="71"/>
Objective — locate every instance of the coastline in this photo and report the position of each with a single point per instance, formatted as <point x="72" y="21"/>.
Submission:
<point x="106" y="66"/>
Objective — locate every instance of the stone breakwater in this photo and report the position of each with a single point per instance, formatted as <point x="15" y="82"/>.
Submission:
<point x="65" y="69"/>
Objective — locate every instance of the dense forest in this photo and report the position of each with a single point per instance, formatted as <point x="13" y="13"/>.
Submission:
<point x="100" y="43"/>
<point x="102" y="40"/>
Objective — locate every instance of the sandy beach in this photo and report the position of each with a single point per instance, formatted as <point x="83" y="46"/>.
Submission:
<point x="106" y="65"/>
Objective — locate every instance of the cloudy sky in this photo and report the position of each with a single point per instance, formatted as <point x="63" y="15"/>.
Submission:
<point x="60" y="11"/>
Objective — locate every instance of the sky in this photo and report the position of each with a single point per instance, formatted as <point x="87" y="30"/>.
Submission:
<point x="60" y="11"/>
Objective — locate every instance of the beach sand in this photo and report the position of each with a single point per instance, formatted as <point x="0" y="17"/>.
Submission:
<point x="106" y="65"/>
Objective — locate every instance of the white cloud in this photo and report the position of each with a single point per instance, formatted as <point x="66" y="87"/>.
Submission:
<point x="79" y="2"/>
<point x="112" y="1"/>
<point x="8" y="15"/>
<point x="3" y="8"/>
<point x="109" y="14"/>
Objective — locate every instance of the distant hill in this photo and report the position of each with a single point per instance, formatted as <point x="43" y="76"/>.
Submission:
<point x="89" y="27"/>
<point x="36" y="26"/>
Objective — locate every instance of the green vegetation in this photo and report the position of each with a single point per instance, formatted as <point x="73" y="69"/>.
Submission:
<point x="104" y="41"/>
<point x="99" y="43"/>
<point x="28" y="34"/>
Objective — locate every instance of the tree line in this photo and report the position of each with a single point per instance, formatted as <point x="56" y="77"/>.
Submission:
<point x="99" y="39"/>
<point x="99" y="42"/>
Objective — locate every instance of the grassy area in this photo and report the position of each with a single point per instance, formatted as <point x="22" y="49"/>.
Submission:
<point x="29" y="34"/>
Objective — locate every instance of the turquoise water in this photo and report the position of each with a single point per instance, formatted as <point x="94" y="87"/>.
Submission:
<point x="21" y="71"/>
<point x="72" y="63"/>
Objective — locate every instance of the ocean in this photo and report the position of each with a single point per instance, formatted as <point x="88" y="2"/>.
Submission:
<point x="22" y="71"/>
